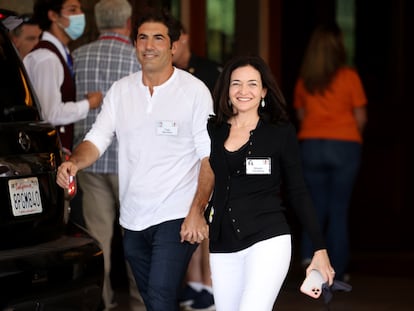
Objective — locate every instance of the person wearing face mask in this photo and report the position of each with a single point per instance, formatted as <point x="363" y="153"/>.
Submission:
<point x="49" y="66"/>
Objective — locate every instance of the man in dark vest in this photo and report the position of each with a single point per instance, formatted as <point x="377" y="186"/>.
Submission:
<point x="49" y="66"/>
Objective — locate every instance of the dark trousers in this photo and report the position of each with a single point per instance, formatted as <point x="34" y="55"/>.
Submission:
<point x="159" y="263"/>
<point x="330" y="168"/>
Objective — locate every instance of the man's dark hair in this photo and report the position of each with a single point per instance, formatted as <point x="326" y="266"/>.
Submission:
<point x="41" y="9"/>
<point x="159" y="16"/>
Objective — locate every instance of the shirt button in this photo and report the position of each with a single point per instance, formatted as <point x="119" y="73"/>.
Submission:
<point x="229" y="209"/>
<point x="238" y="172"/>
<point x="249" y="152"/>
<point x="233" y="220"/>
<point x="238" y="230"/>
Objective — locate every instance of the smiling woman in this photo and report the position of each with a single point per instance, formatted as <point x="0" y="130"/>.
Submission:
<point x="254" y="150"/>
<point x="246" y="93"/>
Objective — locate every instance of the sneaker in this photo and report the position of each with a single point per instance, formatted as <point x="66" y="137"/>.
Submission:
<point x="203" y="302"/>
<point x="188" y="296"/>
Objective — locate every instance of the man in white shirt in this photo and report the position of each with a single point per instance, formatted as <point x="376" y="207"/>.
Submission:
<point x="159" y="117"/>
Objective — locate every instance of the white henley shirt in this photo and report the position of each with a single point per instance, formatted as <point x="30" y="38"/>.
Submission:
<point x="162" y="138"/>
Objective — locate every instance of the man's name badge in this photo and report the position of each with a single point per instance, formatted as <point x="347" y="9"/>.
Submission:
<point x="255" y="166"/>
<point x="167" y="128"/>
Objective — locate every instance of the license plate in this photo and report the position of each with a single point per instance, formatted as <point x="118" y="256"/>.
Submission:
<point x="25" y="196"/>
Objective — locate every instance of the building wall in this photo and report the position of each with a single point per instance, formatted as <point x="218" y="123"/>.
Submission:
<point x="382" y="207"/>
<point x="20" y="6"/>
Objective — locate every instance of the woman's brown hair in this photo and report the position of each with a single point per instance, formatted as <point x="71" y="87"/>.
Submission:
<point x="324" y="55"/>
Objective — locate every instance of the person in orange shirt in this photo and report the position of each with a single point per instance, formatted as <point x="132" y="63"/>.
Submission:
<point x="331" y="108"/>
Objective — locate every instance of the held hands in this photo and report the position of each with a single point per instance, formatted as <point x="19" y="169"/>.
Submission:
<point x="320" y="262"/>
<point x="95" y="99"/>
<point x="194" y="228"/>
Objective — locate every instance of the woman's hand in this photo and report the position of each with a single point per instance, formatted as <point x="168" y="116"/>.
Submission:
<point x="320" y="262"/>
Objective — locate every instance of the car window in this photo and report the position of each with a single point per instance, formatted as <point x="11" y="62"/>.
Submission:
<point x="17" y="101"/>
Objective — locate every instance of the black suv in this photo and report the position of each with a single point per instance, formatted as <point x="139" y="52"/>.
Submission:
<point x="45" y="263"/>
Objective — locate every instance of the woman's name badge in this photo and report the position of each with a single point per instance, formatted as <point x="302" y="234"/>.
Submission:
<point x="255" y="166"/>
<point x="167" y="128"/>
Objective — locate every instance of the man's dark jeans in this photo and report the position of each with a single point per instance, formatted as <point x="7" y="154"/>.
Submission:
<point x="159" y="262"/>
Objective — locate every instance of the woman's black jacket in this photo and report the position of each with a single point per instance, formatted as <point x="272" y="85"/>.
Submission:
<point x="254" y="201"/>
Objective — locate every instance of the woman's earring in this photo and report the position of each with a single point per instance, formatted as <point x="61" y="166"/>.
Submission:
<point x="262" y="103"/>
<point x="229" y="102"/>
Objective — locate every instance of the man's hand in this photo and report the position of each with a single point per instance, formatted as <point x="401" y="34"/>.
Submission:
<point x="95" y="99"/>
<point x="65" y="170"/>
<point x="85" y="154"/>
<point x="194" y="228"/>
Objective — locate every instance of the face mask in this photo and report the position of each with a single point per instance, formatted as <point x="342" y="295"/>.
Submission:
<point x="76" y="26"/>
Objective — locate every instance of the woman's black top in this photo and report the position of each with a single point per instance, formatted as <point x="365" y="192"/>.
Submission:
<point x="246" y="207"/>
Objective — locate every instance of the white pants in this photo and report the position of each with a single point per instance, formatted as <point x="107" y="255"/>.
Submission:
<point x="251" y="279"/>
